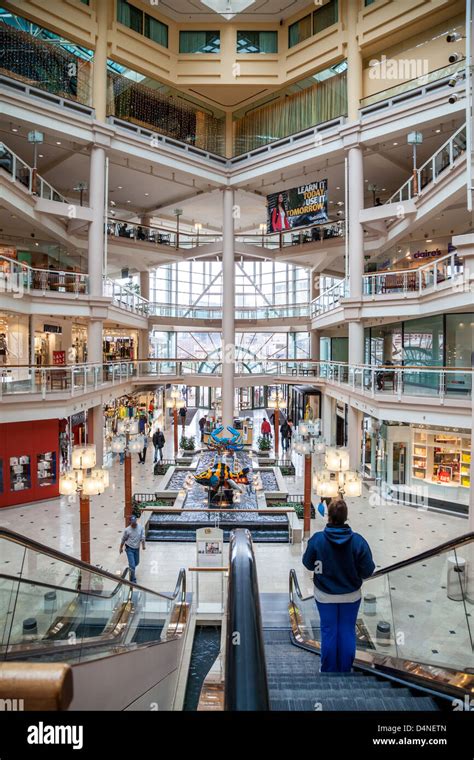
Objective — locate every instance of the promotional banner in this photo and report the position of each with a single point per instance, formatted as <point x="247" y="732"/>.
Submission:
<point x="298" y="206"/>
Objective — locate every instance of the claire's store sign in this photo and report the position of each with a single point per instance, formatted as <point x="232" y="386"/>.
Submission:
<point x="427" y="254"/>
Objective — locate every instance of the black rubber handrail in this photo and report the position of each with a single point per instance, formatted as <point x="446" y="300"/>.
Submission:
<point x="30" y="543"/>
<point x="246" y="686"/>
<point x="453" y="543"/>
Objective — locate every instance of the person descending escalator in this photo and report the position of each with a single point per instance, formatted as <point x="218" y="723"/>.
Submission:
<point x="340" y="560"/>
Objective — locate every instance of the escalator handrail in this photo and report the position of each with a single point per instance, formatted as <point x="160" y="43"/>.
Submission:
<point x="246" y="685"/>
<point x="53" y="587"/>
<point x="453" y="543"/>
<point x="30" y="543"/>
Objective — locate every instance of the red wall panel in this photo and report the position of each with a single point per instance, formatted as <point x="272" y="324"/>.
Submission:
<point x="20" y="439"/>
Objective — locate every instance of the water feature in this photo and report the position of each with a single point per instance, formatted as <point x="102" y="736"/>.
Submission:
<point x="206" y="646"/>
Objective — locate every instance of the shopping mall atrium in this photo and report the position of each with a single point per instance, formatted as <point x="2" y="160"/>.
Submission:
<point x="236" y="288"/>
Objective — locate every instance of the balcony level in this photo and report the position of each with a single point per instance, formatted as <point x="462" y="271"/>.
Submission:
<point x="436" y="395"/>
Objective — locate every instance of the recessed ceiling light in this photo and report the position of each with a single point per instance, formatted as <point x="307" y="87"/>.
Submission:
<point x="40" y="155"/>
<point x="58" y="142"/>
<point x="429" y="240"/>
<point x="147" y="193"/>
<point x="383" y="189"/>
<point x="14" y="129"/>
<point x="338" y="188"/>
<point x="119" y="187"/>
<point x="366" y="180"/>
<point x="129" y="201"/>
<point x="437" y="131"/>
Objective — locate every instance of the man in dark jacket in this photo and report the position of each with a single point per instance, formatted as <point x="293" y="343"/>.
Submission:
<point x="158" y="442"/>
<point x="341" y="560"/>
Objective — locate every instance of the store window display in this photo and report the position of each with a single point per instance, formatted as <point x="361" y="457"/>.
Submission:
<point x="119" y="347"/>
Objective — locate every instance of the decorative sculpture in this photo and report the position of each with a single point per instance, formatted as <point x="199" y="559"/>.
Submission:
<point x="219" y="477"/>
<point x="225" y="443"/>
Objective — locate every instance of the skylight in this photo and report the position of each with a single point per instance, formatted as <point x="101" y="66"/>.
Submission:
<point x="228" y="8"/>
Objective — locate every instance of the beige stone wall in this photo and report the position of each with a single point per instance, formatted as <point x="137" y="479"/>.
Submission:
<point x="229" y="81"/>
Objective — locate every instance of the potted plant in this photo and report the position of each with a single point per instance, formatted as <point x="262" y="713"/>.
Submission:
<point x="187" y="445"/>
<point x="264" y="446"/>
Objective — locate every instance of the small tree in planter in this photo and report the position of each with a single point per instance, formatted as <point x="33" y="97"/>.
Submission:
<point x="187" y="445"/>
<point x="264" y="446"/>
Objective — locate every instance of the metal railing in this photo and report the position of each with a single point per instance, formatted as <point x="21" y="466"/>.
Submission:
<point x="19" y="278"/>
<point x="329" y="299"/>
<point x="396" y="381"/>
<point x="432" y="169"/>
<point x="312" y="233"/>
<point x="125" y="298"/>
<point x="215" y="312"/>
<point x="146" y="233"/>
<point x="24" y="174"/>
<point x="399" y="94"/>
<point x="445" y="269"/>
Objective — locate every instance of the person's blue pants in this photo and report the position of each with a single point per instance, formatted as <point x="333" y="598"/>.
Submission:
<point x="133" y="556"/>
<point x="338" y="635"/>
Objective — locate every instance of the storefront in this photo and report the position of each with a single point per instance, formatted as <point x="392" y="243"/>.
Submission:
<point x="304" y="402"/>
<point x="119" y="345"/>
<point x="29" y="462"/>
<point x="14" y="339"/>
<point x="431" y="464"/>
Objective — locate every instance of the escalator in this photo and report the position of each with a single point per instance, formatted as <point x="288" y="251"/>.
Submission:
<point x="56" y="609"/>
<point x="415" y="647"/>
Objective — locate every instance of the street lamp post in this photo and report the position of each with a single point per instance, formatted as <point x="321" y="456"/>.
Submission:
<point x="175" y="402"/>
<point x="87" y="481"/>
<point x="127" y="442"/>
<point x="177" y="212"/>
<point x="336" y="479"/>
<point x="36" y="138"/>
<point x="306" y="445"/>
<point x="414" y="139"/>
<point x="277" y="402"/>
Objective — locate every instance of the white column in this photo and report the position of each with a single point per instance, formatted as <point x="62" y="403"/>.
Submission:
<point x="143" y="345"/>
<point x="356" y="343"/>
<point x="96" y="227"/>
<point x="356" y="249"/>
<point x="145" y="284"/>
<point x="356" y="232"/>
<point x="354" y="436"/>
<point x="98" y="428"/>
<point x="328" y="414"/>
<point x="354" y="60"/>
<point x="228" y="309"/>
<point x="94" y="342"/>
<point x="99" y="71"/>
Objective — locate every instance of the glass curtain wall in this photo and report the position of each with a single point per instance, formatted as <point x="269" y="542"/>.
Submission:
<point x="198" y="284"/>
<point x="251" y="347"/>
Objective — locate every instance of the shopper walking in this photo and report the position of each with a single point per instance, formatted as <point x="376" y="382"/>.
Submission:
<point x="132" y="537"/>
<point x="285" y="432"/>
<point x="266" y="429"/>
<point x="158" y="442"/>
<point x="142" y="455"/>
<point x="182" y="413"/>
<point x="341" y="560"/>
<point x="202" y="425"/>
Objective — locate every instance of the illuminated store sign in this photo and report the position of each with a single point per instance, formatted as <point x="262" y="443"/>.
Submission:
<point x="427" y="254"/>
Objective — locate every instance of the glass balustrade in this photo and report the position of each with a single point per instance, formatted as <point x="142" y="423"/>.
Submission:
<point x="55" y="608"/>
<point x="419" y="612"/>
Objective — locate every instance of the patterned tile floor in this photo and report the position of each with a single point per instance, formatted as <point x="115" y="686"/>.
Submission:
<point x="393" y="532"/>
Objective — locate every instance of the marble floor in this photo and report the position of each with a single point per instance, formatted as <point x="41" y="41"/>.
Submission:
<point x="393" y="532"/>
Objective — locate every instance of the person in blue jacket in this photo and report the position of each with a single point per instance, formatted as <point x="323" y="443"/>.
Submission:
<point x="341" y="560"/>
